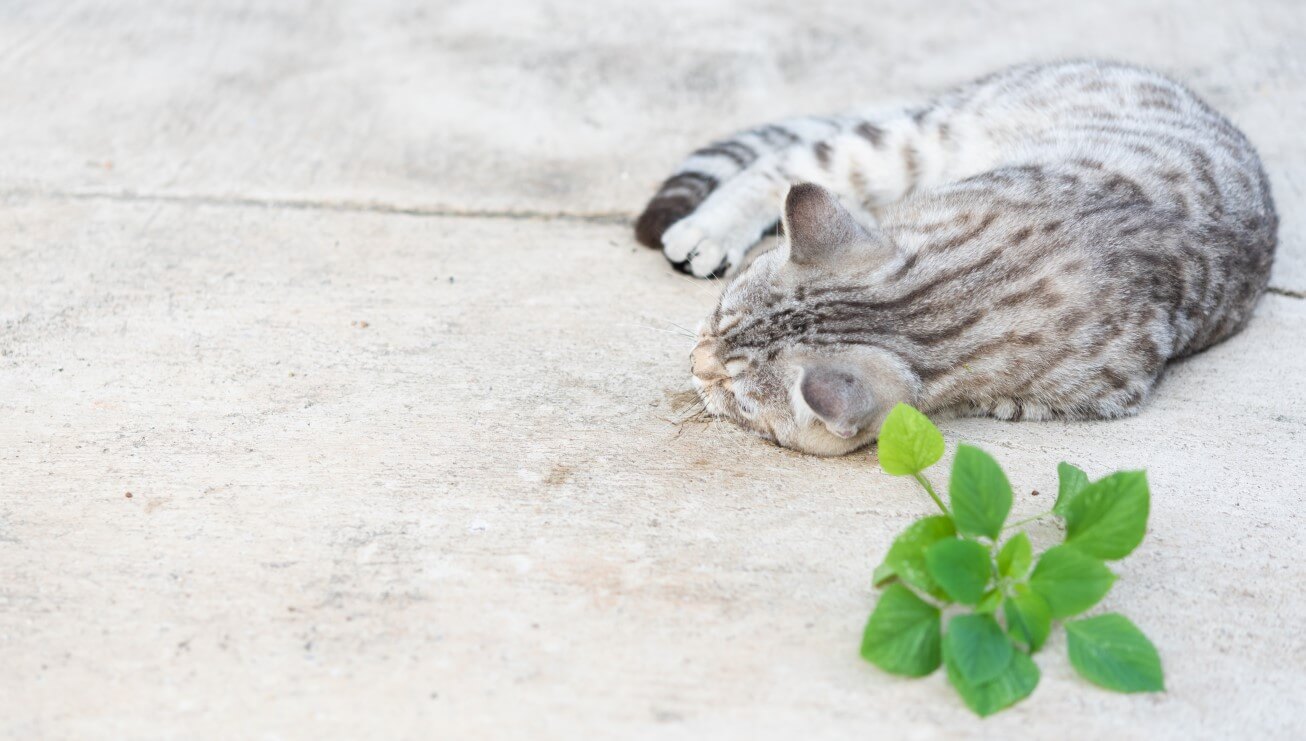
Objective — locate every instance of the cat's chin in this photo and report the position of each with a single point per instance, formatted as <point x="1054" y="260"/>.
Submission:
<point x="825" y="445"/>
<point x="812" y="438"/>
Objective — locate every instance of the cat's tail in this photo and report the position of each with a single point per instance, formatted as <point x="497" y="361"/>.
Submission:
<point x="690" y="185"/>
<point x="760" y="149"/>
<point x="679" y="195"/>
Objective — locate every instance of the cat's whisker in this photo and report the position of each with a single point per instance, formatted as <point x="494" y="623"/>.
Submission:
<point x="660" y="329"/>
<point x="697" y="404"/>
<point x="680" y="327"/>
<point x="691" y="332"/>
<point x="694" y="411"/>
<point x="702" y="284"/>
<point x="692" y="415"/>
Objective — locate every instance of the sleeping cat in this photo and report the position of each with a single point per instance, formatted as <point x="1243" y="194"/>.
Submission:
<point x="1036" y="244"/>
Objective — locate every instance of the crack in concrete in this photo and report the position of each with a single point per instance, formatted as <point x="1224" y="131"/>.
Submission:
<point x="310" y="204"/>
<point x="372" y="207"/>
<point x="1290" y="293"/>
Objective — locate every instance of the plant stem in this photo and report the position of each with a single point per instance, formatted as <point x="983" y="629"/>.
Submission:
<point x="930" y="490"/>
<point x="1018" y="523"/>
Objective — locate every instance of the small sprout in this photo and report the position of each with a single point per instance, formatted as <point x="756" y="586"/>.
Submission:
<point x="1008" y="597"/>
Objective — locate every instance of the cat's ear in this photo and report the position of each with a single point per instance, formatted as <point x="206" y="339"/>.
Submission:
<point x="819" y="228"/>
<point x="838" y="398"/>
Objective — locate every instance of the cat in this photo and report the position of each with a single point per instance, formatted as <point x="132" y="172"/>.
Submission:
<point x="1036" y="244"/>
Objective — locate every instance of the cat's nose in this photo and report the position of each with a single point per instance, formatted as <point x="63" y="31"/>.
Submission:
<point x="703" y="361"/>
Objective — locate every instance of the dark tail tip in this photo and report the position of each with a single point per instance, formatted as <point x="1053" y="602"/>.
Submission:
<point x="659" y="215"/>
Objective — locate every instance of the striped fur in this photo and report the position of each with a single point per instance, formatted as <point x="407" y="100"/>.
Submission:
<point x="1036" y="244"/>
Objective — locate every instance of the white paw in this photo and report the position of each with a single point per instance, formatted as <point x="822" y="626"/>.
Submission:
<point x="687" y="242"/>
<point x="707" y="257"/>
<point x="681" y="239"/>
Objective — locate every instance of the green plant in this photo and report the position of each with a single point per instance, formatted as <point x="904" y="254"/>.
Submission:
<point x="1002" y="600"/>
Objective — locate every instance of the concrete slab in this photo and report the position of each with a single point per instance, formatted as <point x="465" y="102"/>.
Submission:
<point x="399" y="476"/>
<point x="554" y="106"/>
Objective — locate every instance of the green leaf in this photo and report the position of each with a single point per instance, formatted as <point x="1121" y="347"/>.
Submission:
<point x="1015" y="557"/>
<point x="906" y="556"/>
<point x="883" y="573"/>
<point x="1014" y="684"/>
<point x="961" y="567"/>
<point x="909" y="443"/>
<point x="976" y="647"/>
<point x="902" y="635"/>
<point x="1070" y="481"/>
<point x="990" y="602"/>
<point x="981" y="496"/>
<point x="1029" y="619"/>
<point x="1108" y="518"/>
<point x="1070" y="580"/>
<point x="1112" y="652"/>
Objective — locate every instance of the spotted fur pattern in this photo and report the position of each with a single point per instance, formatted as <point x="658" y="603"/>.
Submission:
<point x="1036" y="244"/>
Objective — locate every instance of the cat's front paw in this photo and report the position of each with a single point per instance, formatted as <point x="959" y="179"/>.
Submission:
<point x="691" y="250"/>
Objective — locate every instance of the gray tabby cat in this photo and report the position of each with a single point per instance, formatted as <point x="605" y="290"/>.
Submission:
<point x="1035" y="244"/>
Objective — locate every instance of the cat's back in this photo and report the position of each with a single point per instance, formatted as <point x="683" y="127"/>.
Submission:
<point x="1133" y="123"/>
<point x="1118" y="185"/>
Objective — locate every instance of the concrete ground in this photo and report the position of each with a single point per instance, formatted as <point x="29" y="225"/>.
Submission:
<point x="337" y="400"/>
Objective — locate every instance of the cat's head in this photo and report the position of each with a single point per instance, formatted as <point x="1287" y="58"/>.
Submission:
<point x="782" y="356"/>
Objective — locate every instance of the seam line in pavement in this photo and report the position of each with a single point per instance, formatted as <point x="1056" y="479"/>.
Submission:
<point x="308" y="204"/>
<point x="1285" y="292"/>
<point x="371" y="207"/>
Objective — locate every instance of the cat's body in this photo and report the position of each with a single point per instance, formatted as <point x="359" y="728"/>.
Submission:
<point x="1035" y="244"/>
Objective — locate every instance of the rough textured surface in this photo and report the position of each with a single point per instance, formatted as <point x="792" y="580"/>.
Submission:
<point x="407" y="474"/>
<point x="555" y="106"/>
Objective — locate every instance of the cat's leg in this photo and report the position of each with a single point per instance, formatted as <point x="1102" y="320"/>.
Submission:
<point x="725" y="197"/>
<point x="718" y="234"/>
